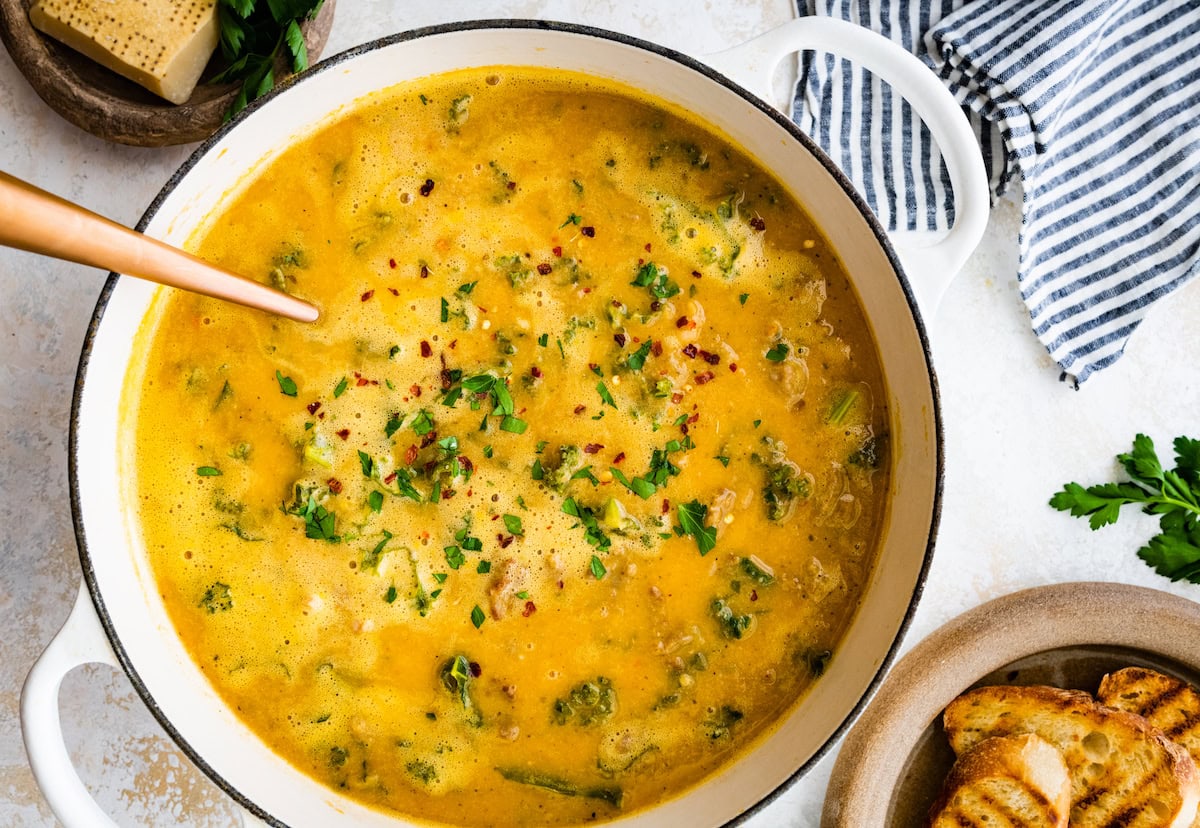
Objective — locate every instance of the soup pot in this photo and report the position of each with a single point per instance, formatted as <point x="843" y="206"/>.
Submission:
<point x="118" y="617"/>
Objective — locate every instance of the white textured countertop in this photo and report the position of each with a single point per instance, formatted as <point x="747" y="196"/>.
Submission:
<point x="1013" y="432"/>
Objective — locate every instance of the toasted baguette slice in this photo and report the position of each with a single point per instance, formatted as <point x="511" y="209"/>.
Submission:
<point x="1171" y="705"/>
<point x="1124" y="772"/>
<point x="1013" y="781"/>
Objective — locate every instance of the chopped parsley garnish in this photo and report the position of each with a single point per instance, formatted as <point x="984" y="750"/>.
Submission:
<point x="393" y="424"/>
<point x="587" y="516"/>
<point x="605" y="396"/>
<point x="445" y="315"/>
<point x="319" y="522"/>
<point x="423" y="424"/>
<point x="778" y="352"/>
<point x="513" y="425"/>
<point x="488" y="451"/>
<point x="483" y="567"/>
<point x="641" y="488"/>
<point x="341" y="387"/>
<point x="723" y="460"/>
<point x="543" y="340"/>
<point x="375" y="501"/>
<point x="287" y="385"/>
<point x="454" y="557"/>
<point x="743" y="297"/>
<point x="216" y="598"/>
<point x="477" y="616"/>
<point x="466" y="289"/>
<point x="390" y="595"/>
<point x="637" y="359"/>
<point x="368" y="464"/>
<point x="208" y="471"/>
<point x="513" y="524"/>
<point x="597" y="567"/>
<point x="654" y="278"/>
<point x="571" y="219"/>
<point x="691" y="518"/>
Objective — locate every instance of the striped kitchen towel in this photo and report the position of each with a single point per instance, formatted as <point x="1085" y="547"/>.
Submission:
<point x="1095" y="105"/>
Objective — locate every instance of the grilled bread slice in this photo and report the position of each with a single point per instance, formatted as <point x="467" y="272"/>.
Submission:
<point x="1016" y="781"/>
<point x="1171" y="705"/>
<point x="1124" y="772"/>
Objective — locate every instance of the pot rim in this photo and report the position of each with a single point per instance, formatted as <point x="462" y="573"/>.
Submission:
<point x="332" y="62"/>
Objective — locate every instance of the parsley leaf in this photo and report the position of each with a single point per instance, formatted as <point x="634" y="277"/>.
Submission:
<point x="691" y="518"/>
<point x="513" y="524"/>
<point x="287" y="385"/>
<point x="605" y="395"/>
<point x="1173" y="495"/>
<point x="208" y="471"/>
<point x="253" y="34"/>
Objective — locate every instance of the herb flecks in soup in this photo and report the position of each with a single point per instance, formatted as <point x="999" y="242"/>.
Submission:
<point x="570" y="493"/>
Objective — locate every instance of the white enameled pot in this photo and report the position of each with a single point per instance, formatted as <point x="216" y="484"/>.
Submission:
<point x="118" y="617"/>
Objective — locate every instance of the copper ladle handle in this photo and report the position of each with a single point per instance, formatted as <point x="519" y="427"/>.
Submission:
<point x="34" y="220"/>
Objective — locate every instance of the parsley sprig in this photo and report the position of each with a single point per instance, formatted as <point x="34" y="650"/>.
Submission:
<point x="253" y="34"/>
<point x="1173" y="495"/>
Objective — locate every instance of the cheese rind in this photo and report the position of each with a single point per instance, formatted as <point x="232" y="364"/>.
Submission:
<point x="159" y="44"/>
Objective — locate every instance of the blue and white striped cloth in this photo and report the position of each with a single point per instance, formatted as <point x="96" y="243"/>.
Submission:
<point x="1095" y="104"/>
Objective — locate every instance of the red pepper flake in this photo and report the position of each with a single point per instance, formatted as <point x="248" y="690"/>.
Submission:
<point x="711" y="359"/>
<point x="444" y="376"/>
<point x="393" y="291"/>
<point x="453" y="344"/>
<point x="592" y="448"/>
<point x="561" y="584"/>
<point x="619" y="458"/>
<point x="312" y="407"/>
<point x="447" y="494"/>
<point x="557" y="251"/>
<point x="504" y="540"/>
<point x="536" y="372"/>
<point x="579" y="409"/>
<point x="392" y="264"/>
<point x="696" y="274"/>
<point x="758" y="224"/>
<point x="593" y="366"/>
<point x="695" y="418"/>
<point x="390" y="478"/>
<point x="754" y="595"/>
<point x="344" y="433"/>
<point x="415" y="390"/>
<point x="691" y="351"/>
<point x="410" y="454"/>
<point x="733" y="367"/>
<point x="544" y="268"/>
<point x="361" y="381"/>
<point x="588" y="231"/>
<point x="424" y="271"/>
<point x="530" y="609"/>
<point x="677" y="398"/>
<point x="681" y="322"/>
<point x="666" y="507"/>
<point x="619" y="338"/>
<point x="512" y="185"/>
<point x="655" y="305"/>
<point x="335" y="485"/>
<point x="476" y="670"/>
<point x="647" y="247"/>
<point x="656" y="347"/>
<point x="321" y="416"/>
<point x="468" y="466"/>
<point x="426" y="350"/>
<point x="366" y="296"/>
<point x="427" y="187"/>
<point x="428" y="440"/>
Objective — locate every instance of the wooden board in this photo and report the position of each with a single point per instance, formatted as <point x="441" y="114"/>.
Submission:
<point x="105" y="104"/>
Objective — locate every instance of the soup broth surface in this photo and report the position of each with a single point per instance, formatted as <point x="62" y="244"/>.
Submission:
<point x="571" y="491"/>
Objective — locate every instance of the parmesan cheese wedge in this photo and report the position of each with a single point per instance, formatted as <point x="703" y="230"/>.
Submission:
<point x="162" y="45"/>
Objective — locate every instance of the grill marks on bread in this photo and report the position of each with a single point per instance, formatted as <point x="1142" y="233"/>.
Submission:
<point x="1124" y="772"/>
<point x="1006" y="781"/>
<point x="1165" y="702"/>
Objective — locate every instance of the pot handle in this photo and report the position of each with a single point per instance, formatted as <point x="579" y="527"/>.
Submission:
<point x="930" y="259"/>
<point x="80" y="641"/>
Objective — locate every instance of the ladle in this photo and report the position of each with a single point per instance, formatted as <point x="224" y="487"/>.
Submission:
<point x="34" y="220"/>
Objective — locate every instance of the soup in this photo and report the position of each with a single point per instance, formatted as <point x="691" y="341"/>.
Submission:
<point x="570" y="493"/>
